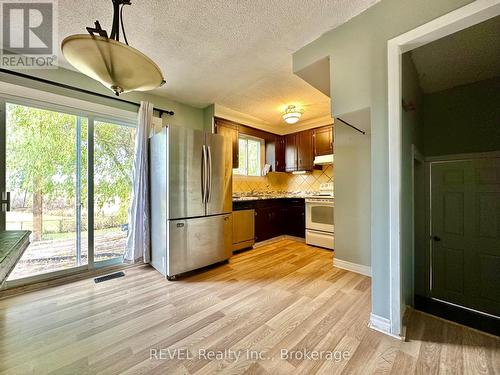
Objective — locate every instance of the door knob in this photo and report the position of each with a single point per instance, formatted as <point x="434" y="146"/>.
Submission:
<point x="436" y="238"/>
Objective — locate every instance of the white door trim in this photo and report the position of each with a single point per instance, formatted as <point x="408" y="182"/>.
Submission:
<point x="469" y="15"/>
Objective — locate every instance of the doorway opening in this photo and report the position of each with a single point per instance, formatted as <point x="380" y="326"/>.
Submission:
<point x="450" y="180"/>
<point x="400" y="157"/>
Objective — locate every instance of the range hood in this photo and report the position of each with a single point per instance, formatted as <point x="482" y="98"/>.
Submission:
<point x="323" y="160"/>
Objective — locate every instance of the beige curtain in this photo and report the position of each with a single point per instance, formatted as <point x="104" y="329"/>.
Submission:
<point x="138" y="241"/>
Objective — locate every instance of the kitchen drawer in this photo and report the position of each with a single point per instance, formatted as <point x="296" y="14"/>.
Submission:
<point x="321" y="239"/>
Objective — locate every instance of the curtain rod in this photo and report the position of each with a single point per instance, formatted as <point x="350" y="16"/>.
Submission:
<point x="84" y="91"/>
<point x="352" y="126"/>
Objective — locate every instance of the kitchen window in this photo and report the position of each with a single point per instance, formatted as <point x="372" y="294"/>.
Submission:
<point x="250" y="156"/>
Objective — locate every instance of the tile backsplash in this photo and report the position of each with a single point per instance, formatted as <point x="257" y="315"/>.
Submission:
<point x="284" y="182"/>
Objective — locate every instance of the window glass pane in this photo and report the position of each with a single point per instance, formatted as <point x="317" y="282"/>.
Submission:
<point x="242" y="157"/>
<point x="253" y="158"/>
<point x="113" y="164"/>
<point x="45" y="173"/>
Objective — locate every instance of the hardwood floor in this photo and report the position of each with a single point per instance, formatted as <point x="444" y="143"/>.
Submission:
<point x="282" y="296"/>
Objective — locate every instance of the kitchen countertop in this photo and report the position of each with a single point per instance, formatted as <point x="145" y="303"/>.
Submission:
<point x="12" y="246"/>
<point x="263" y="196"/>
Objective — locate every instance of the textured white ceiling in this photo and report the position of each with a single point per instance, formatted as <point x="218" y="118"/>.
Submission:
<point x="234" y="53"/>
<point x="467" y="56"/>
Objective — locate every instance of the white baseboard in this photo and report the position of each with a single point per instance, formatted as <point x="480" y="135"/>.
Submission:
<point x="379" y="323"/>
<point x="354" y="267"/>
<point x="382" y="325"/>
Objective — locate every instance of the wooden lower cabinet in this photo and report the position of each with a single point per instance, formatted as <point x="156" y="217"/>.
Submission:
<point x="268" y="223"/>
<point x="295" y="222"/>
<point x="276" y="217"/>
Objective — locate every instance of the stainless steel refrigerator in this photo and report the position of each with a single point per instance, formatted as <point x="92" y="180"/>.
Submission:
<point x="191" y="200"/>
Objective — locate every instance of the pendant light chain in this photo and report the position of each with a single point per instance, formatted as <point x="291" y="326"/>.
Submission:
<point x="121" y="22"/>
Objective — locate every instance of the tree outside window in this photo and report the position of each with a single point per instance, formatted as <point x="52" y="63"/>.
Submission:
<point x="249" y="157"/>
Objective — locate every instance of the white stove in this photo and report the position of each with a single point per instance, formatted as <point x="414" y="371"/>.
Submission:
<point x="325" y="193"/>
<point x="319" y="217"/>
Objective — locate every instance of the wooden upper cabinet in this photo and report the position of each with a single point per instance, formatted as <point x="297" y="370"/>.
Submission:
<point x="271" y="154"/>
<point x="305" y="150"/>
<point x="230" y="132"/>
<point x="323" y="141"/>
<point x="280" y="154"/>
<point x="275" y="153"/>
<point x="291" y="152"/>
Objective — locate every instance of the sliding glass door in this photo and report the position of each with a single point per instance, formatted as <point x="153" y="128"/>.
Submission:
<point x="44" y="163"/>
<point x="113" y="163"/>
<point x="70" y="181"/>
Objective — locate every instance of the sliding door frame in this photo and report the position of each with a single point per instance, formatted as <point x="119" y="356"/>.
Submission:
<point x="3" y="148"/>
<point x="92" y="123"/>
<point x="90" y="191"/>
<point x="128" y="120"/>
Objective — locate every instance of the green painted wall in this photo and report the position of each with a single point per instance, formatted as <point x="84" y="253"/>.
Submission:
<point x="352" y="189"/>
<point x="185" y="115"/>
<point x="412" y="134"/>
<point x="358" y="71"/>
<point x="208" y="117"/>
<point x="463" y="119"/>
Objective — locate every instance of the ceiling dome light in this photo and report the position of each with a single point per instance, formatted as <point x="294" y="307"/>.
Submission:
<point x="292" y="114"/>
<point x="116" y="65"/>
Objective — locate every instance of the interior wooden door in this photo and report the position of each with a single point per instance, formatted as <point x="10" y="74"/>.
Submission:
<point x="465" y="237"/>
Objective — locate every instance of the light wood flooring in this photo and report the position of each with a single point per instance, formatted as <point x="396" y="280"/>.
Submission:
<point x="284" y="295"/>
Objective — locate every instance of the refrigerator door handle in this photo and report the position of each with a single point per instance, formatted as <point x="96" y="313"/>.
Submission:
<point x="204" y="170"/>
<point x="209" y="174"/>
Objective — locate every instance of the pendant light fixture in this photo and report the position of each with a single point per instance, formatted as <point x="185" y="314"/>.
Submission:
<point x="116" y="65"/>
<point x="292" y="114"/>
